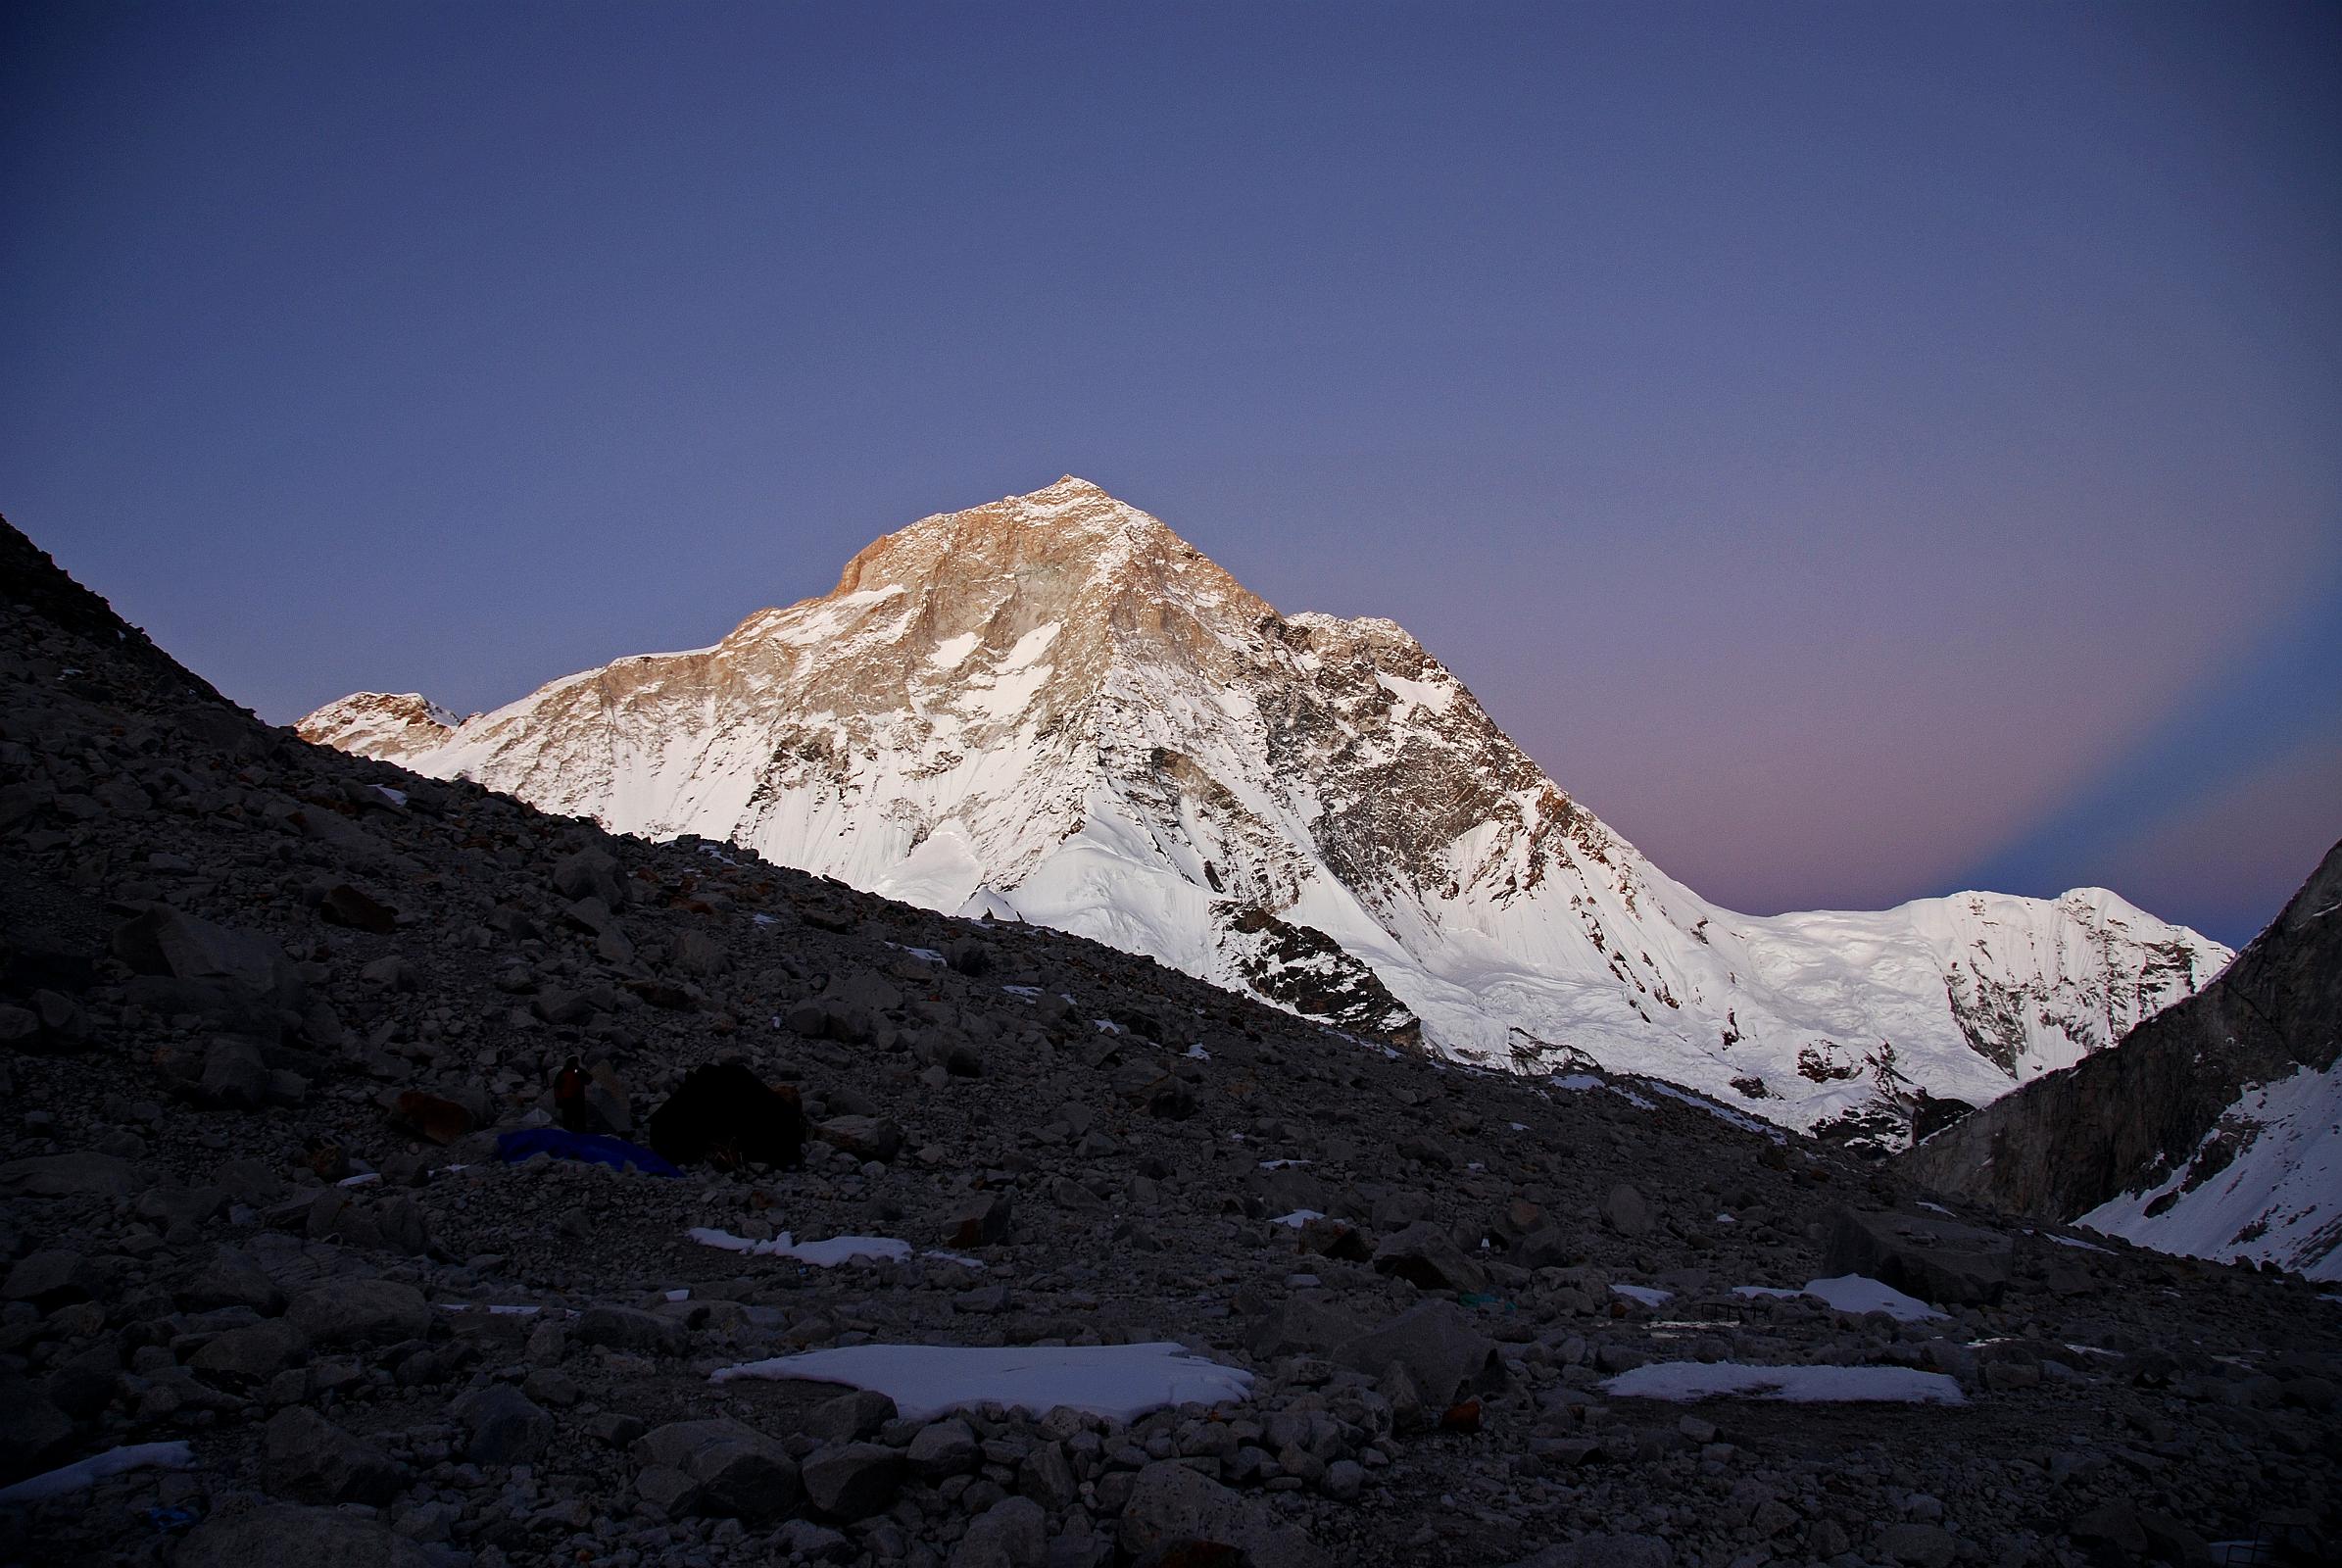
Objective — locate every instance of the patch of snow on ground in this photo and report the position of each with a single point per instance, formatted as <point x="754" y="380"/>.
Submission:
<point x="1722" y="1114"/>
<point x="820" y="1254"/>
<point x="1298" y="1218"/>
<point x="1683" y="1381"/>
<point x="2071" y="1241"/>
<point x="1119" y="1382"/>
<point x="1649" y="1295"/>
<point x="1858" y="1293"/>
<point x="83" y="1474"/>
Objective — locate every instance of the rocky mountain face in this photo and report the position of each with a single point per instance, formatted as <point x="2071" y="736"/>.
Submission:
<point x="281" y="1280"/>
<point x="2215" y="1128"/>
<point x="1052" y="708"/>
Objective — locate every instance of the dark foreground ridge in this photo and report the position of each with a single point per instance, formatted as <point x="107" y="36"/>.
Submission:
<point x="274" y="1015"/>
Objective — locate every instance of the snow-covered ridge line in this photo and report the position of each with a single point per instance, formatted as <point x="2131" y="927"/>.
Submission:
<point x="1052" y="708"/>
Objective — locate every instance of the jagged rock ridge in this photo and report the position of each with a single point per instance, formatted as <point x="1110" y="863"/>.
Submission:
<point x="1054" y="707"/>
<point x="2214" y="1128"/>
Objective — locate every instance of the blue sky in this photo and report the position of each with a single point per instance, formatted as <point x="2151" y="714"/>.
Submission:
<point x="1860" y="451"/>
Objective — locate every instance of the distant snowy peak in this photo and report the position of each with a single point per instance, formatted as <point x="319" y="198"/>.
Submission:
<point x="1055" y="709"/>
<point x="391" y="725"/>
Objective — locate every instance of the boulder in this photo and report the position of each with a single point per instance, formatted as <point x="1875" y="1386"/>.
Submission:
<point x="254" y="1353"/>
<point x="848" y="1417"/>
<point x="358" y="911"/>
<point x="979" y="1222"/>
<point x="945" y="1449"/>
<point x="235" y="1075"/>
<point x="1012" y="1533"/>
<point x="878" y="1138"/>
<point x="286" y="1536"/>
<point x="1172" y="1506"/>
<point x="1436" y="1344"/>
<point x="1422" y="1256"/>
<point x="851" y="1480"/>
<point x="49" y="1279"/>
<point x="1627" y="1211"/>
<point x="506" y="1425"/>
<point x="590" y="873"/>
<point x="1925" y="1256"/>
<point x="307" y="1456"/>
<point x="86" y="1174"/>
<point x="361" y="1311"/>
<point x="231" y="1279"/>
<point x="734" y="1471"/>
<point x="625" y="1328"/>
<point x="171" y="943"/>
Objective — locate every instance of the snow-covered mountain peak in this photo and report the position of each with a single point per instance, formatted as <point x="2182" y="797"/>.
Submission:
<point x="1051" y="707"/>
<point x="387" y="725"/>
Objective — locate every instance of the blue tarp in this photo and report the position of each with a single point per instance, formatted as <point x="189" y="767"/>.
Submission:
<point x="599" y="1148"/>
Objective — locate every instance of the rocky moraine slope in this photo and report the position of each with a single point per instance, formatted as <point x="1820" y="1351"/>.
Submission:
<point x="272" y="1017"/>
<point x="1055" y="707"/>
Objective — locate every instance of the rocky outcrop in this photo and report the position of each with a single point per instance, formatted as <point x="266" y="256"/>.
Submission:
<point x="2150" y="1112"/>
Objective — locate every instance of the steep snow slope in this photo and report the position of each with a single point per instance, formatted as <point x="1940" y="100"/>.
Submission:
<point x="2264" y="1183"/>
<point x="1054" y="707"/>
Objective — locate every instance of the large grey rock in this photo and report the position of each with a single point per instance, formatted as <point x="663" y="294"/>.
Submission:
<point x="309" y="1458"/>
<point x="734" y="1471"/>
<point x="234" y="1075"/>
<point x="851" y="1480"/>
<point x="285" y="1536"/>
<point x="943" y="1448"/>
<point x="849" y="1416"/>
<point x="624" y="1328"/>
<point x="1172" y="1505"/>
<point x="254" y="1353"/>
<point x="876" y="1138"/>
<point x="590" y="873"/>
<point x="360" y="1311"/>
<point x="506" y="1425"/>
<point x="34" y="1430"/>
<point x="1436" y="1345"/>
<point x="1300" y="1322"/>
<point x="1936" y="1259"/>
<point x="83" y="1174"/>
<point x="1012" y="1533"/>
<point x="1424" y="1256"/>
<point x="1627" y="1211"/>
<point x="169" y="942"/>
<point x="49" y="1279"/>
<point x="231" y="1279"/>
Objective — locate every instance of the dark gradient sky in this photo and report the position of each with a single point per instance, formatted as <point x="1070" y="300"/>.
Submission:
<point x="1861" y="451"/>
